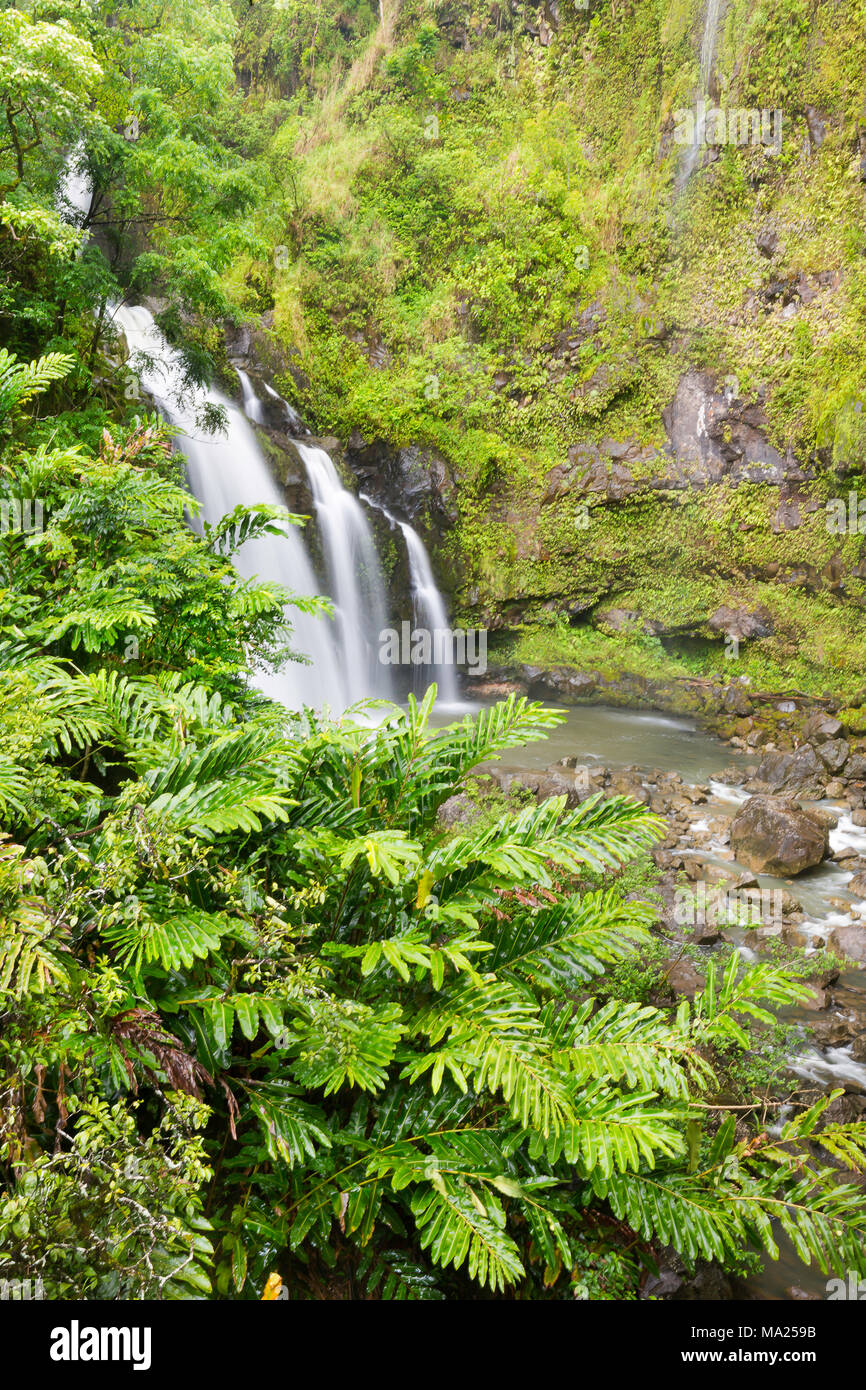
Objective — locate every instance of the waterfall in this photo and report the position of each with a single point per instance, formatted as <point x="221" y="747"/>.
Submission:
<point x="355" y="576"/>
<point x="225" y="471"/>
<point x="252" y="404"/>
<point x="708" y="43"/>
<point x="428" y="609"/>
<point x="428" y="606"/>
<point x="74" y="195"/>
<point x="691" y="153"/>
<point x="296" y="424"/>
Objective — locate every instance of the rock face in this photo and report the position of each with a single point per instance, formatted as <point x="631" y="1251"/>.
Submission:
<point x="737" y="622"/>
<point x="714" y="434"/>
<point x="851" y="942"/>
<point x="820" y="728"/>
<point x="772" y="835"/>
<point x="802" y="772"/>
<point x="411" y="482"/>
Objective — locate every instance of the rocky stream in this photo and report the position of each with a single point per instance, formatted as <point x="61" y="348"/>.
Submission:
<point x="765" y="851"/>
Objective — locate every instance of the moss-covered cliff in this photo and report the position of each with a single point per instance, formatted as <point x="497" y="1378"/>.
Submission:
<point x="638" y="369"/>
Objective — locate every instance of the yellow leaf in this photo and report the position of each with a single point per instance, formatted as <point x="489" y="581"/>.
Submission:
<point x="273" y="1288"/>
<point x="425" y="883"/>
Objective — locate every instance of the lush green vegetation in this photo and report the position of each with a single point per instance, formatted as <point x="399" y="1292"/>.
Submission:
<point x="263" y="1017"/>
<point x="458" y="209"/>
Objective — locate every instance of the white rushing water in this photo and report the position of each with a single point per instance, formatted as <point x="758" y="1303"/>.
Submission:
<point x="293" y="419"/>
<point x="252" y="404"/>
<point x="428" y="609"/>
<point x="692" y="151"/>
<point x="708" y="43"/>
<point x="74" y="191"/>
<point x="736" y="796"/>
<point x="428" y="606"/>
<point x="833" y="1067"/>
<point x="355" y="577"/>
<point x="846" y="835"/>
<point x="226" y="470"/>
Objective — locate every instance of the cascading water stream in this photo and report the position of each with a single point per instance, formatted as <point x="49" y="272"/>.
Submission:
<point x="708" y="44"/>
<point x="74" y="191"/>
<point x="296" y="424"/>
<point x="252" y="404"/>
<point x="355" y="577"/>
<point x="227" y="470"/>
<point x="428" y="606"/>
<point x="709" y="40"/>
<point x="428" y="609"/>
<point x="355" y="580"/>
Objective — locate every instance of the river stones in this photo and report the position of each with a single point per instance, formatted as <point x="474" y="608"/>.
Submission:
<point x="817" y="1000"/>
<point x="576" y="786"/>
<point x="682" y="977"/>
<point x="851" y="941"/>
<point x="834" y="754"/>
<point x="835" y="1031"/>
<point x="802" y="772"/>
<point x="836" y="789"/>
<point x="772" y="835"/>
<point x="820" y="728"/>
<point x="855" y="769"/>
<point x="623" y="784"/>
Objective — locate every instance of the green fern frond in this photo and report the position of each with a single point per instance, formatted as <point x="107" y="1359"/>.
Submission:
<point x="21" y="381"/>
<point x="460" y="1226"/>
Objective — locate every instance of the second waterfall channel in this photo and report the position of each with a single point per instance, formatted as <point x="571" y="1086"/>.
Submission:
<point x="226" y="469"/>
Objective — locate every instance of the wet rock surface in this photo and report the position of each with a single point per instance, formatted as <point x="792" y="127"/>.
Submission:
<point x="774" y="835"/>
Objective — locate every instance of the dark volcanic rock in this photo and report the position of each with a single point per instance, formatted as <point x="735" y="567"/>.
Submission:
<point x="773" y="835"/>
<point x="413" y="483"/>
<point x="737" y="622"/>
<point x="715" y="435"/>
<point x="834" y="753"/>
<point x="802" y="772"/>
<point x="819" y="728"/>
<point x="559" y="683"/>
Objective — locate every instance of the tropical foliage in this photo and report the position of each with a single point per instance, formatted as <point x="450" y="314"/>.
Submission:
<point x="268" y="1022"/>
<point x="264" y="1015"/>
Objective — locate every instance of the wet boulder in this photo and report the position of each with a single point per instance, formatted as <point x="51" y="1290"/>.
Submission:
<point x="773" y="835"/>
<point x="559" y="782"/>
<point x="850" y="941"/>
<point x="820" y="728"/>
<point x="834" y="754"/>
<point x="856" y="768"/>
<point x="802" y="772"/>
<point x="559" y="683"/>
<point x="738" y="622"/>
